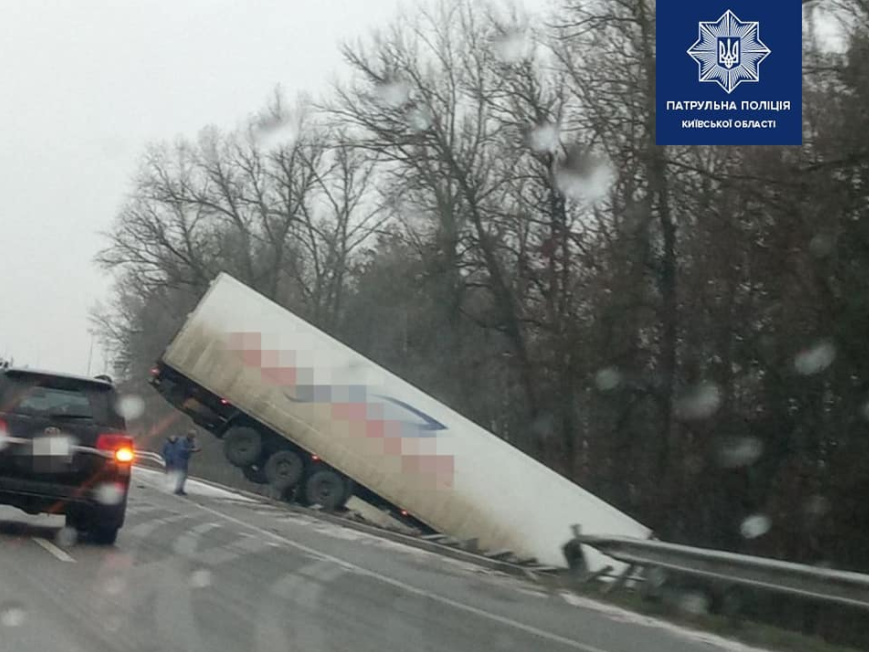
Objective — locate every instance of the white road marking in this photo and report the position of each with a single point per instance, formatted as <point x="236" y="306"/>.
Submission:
<point x="186" y="544"/>
<point x="145" y="528"/>
<point x="175" y="618"/>
<point x="303" y="595"/>
<point x="53" y="549"/>
<point x="244" y="545"/>
<point x="501" y="620"/>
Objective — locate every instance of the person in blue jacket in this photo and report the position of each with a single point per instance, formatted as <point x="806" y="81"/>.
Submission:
<point x="169" y="452"/>
<point x="183" y="450"/>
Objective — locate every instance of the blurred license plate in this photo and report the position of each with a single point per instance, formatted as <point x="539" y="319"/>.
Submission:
<point x="54" y="447"/>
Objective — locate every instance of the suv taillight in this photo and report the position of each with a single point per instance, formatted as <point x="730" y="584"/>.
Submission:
<point x="121" y="447"/>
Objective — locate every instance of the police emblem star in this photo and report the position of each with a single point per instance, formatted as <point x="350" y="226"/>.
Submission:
<point x="728" y="51"/>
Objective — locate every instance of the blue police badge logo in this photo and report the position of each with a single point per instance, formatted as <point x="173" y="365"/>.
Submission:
<point x="729" y="51"/>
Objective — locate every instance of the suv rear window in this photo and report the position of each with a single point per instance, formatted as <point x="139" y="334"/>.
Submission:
<point x="58" y="397"/>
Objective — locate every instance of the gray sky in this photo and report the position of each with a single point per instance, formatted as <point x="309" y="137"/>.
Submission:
<point x="84" y="85"/>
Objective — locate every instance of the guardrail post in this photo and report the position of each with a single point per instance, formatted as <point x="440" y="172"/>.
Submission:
<point x="572" y="551"/>
<point x="621" y="579"/>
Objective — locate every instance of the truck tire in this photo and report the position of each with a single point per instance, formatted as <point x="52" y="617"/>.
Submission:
<point x="242" y="446"/>
<point x="348" y="493"/>
<point x="283" y="470"/>
<point x="254" y="474"/>
<point x="327" y="489"/>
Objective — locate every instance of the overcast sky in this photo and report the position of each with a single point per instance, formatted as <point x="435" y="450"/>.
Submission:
<point x="84" y="85"/>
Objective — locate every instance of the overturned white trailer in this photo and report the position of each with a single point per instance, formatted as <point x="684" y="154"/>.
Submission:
<point x="243" y="364"/>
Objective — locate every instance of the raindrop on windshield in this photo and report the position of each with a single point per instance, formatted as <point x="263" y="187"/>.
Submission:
<point x="66" y="537"/>
<point x="393" y="94"/>
<point x="755" y="526"/>
<point x="419" y="118"/>
<point x="607" y="379"/>
<point x="817" y="506"/>
<point x="114" y="585"/>
<point x="736" y="452"/>
<point x="584" y="177"/>
<point x="130" y="406"/>
<point x="513" y="47"/>
<point x="544" y="138"/>
<point x="200" y="578"/>
<point x="109" y="493"/>
<point x="821" y="245"/>
<point x="12" y="614"/>
<point x="699" y="402"/>
<point x="274" y="128"/>
<point x="694" y="602"/>
<point x="864" y="410"/>
<point x="815" y="359"/>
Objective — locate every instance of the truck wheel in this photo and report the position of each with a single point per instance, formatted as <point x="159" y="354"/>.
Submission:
<point x="254" y="474"/>
<point x="327" y="489"/>
<point x="242" y="446"/>
<point x="283" y="470"/>
<point x="350" y="487"/>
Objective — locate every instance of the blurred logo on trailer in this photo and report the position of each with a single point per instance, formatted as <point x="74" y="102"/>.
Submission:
<point x="393" y="426"/>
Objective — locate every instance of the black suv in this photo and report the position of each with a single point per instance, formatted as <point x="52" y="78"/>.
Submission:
<point x="64" y="450"/>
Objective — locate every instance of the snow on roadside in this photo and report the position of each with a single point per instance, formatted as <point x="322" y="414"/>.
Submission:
<point x="623" y="615"/>
<point x="158" y="479"/>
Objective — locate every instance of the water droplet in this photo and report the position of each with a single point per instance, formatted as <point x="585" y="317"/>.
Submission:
<point x="130" y="406"/>
<point x="755" y="526"/>
<point x="815" y="359"/>
<point x="393" y="94"/>
<point x="656" y="577"/>
<point x="698" y="402"/>
<point x="817" y="506"/>
<point x="584" y="177"/>
<point x="12" y="614"/>
<point x="694" y="464"/>
<point x="200" y="578"/>
<point x="737" y="452"/>
<point x="694" y="602"/>
<point x="273" y="128"/>
<point x="821" y="245"/>
<point x="544" y="138"/>
<point x="419" y="118"/>
<point x="513" y="47"/>
<point x="109" y="493"/>
<point x="607" y="379"/>
<point x="114" y="585"/>
<point x="66" y="537"/>
<point x="113" y="623"/>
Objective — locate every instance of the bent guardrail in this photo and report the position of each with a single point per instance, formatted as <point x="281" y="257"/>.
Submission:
<point x="844" y="587"/>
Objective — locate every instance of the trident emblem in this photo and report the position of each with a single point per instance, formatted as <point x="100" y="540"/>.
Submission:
<point x="728" y="52"/>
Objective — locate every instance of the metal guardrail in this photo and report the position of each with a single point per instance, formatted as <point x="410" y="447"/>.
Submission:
<point x="156" y="458"/>
<point x="843" y="587"/>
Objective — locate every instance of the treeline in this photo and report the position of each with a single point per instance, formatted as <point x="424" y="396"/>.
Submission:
<point x="482" y="209"/>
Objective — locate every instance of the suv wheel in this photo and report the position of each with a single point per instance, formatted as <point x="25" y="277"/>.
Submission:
<point x="105" y="536"/>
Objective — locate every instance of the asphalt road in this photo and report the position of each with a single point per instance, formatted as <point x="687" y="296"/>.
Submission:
<point x="219" y="572"/>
